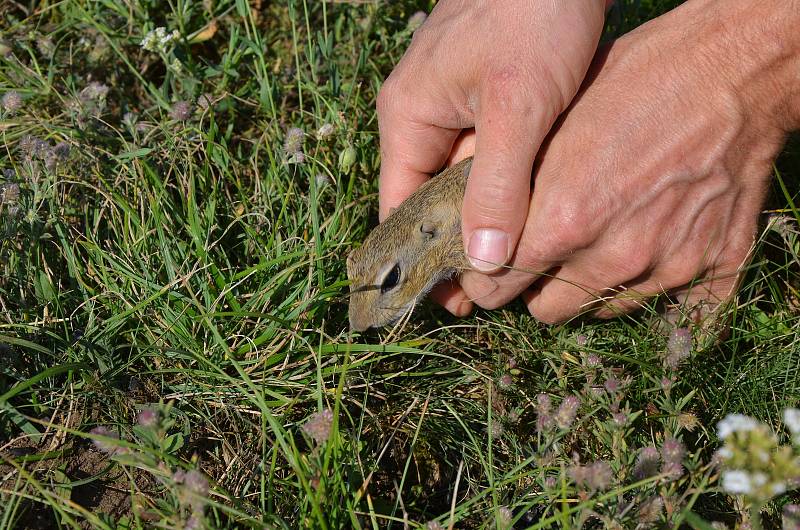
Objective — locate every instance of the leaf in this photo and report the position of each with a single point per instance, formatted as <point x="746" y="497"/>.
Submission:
<point x="20" y="421"/>
<point x="44" y="289"/>
<point x="204" y="34"/>
<point x="174" y="442"/>
<point x="133" y="154"/>
<point x="61" y="482"/>
<point x="50" y="372"/>
<point x="697" y="522"/>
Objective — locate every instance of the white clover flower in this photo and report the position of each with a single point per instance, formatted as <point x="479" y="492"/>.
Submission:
<point x="777" y="488"/>
<point x="129" y="119"/>
<point x="567" y="411"/>
<point x="298" y="158"/>
<point x="149" y="41"/>
<point x="504" y="517"/>
<point x="176" y="66"/>
<point x="679" y="347"/>
<point x="205" y="102"/>
<point x="11" y="101"/>
<point x="322" y="180"/>
<point x="791" y="418"/>
<point x="416" y="20"/>
<point x="737" y="482"/>
<point x="759" y="479"/>
<point x="156" y="40"/>
<point x="319" y="426"/>
<point x="326" y="130"/>
<point x="293" y="143"/>
<point x="733" y="423"/>
<point x="181" y="111"/>
<point x="784" y="225"/>
<point x="172" y="36"/>
<point x="93" y="92"/>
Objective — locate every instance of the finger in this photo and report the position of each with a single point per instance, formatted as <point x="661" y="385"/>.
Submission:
<point x="628" y="299"/>
<point x="706" y="295"/>
<point x="495" y="290"/>
<point x="561" y="297"/>
<point x="720" y="283"/>
<point x="450" y="296"/>
<point x="412" y="145"/>
<point x="553" y="234"/>
<point x="591" y="278"/>
<point x="509" y="131"/>
<point x="463" y="147"/>
<point x="542" y="247"/>
<point x="695" y="294"/>
<point x="701" y="300"/>
<point x="680" y="270"/>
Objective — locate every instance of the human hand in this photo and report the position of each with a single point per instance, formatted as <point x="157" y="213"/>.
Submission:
<point x="508" y="68"/>
<point x="656" y="175"/>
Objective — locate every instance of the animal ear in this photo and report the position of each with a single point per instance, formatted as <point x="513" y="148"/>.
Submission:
<point x="428" y="229"/>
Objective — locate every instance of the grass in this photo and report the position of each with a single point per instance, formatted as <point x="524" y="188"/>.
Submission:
<point x="173" y="305"/>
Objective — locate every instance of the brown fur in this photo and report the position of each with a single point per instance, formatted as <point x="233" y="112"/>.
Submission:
<point x="425" y="257"/>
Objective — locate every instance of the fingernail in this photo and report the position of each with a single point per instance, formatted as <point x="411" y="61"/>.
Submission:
<point x="488" y="249"/>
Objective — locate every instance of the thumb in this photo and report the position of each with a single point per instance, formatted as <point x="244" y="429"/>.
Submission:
<point x="498" y="191"/>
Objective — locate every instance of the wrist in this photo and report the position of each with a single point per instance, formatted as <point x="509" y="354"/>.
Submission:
<point x="756" y="45"/>
<point x="792" y="78"/>
<point x="778" y="40"/>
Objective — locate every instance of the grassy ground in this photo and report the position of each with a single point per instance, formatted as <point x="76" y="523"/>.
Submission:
<point x="173" y="305"/>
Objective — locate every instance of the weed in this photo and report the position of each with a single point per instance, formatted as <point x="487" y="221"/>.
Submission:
<point x="180" y="183"/>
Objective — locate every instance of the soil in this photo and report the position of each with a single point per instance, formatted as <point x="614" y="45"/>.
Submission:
<point x="105" y="488"/>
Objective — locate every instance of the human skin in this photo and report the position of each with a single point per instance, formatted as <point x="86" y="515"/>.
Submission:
<point x="502" y="67"/>
<point x="654" y="177"/>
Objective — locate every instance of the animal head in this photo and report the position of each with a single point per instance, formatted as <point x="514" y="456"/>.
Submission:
<point x="400" y="261"/>
<point x="415" y="248"/>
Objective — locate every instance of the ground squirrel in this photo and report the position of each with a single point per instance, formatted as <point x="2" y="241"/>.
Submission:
<point x="415" y="248"/>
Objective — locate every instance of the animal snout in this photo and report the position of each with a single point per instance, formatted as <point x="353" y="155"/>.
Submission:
<point x="358" y="322"/>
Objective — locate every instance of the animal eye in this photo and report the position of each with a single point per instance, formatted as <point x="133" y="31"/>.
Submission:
<point x="391" y="280"/>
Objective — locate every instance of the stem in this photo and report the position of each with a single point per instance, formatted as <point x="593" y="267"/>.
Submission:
<point x="755" y="515"/>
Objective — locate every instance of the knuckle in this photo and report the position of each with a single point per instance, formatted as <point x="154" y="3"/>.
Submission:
<point x="515" y="91"/>
<point x="544" y="313"/>
<point x="389" y="96"/>
<point x="503" y="80"/>
<point x="729" y="106"/>
<point x="678" y="273"/>
<point x="492" y="201"/>
<point x="614" y="309"/>
<point x="631" y="260"/>
<point x="568" y="227"/>
<point x="505" y="88"/>
<point x="505" y="94"/>
<point x="483" y="290"/>
<point x="423" y="35"/>
<point x="742" y="247"/>
<point x="497" y="203"/>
